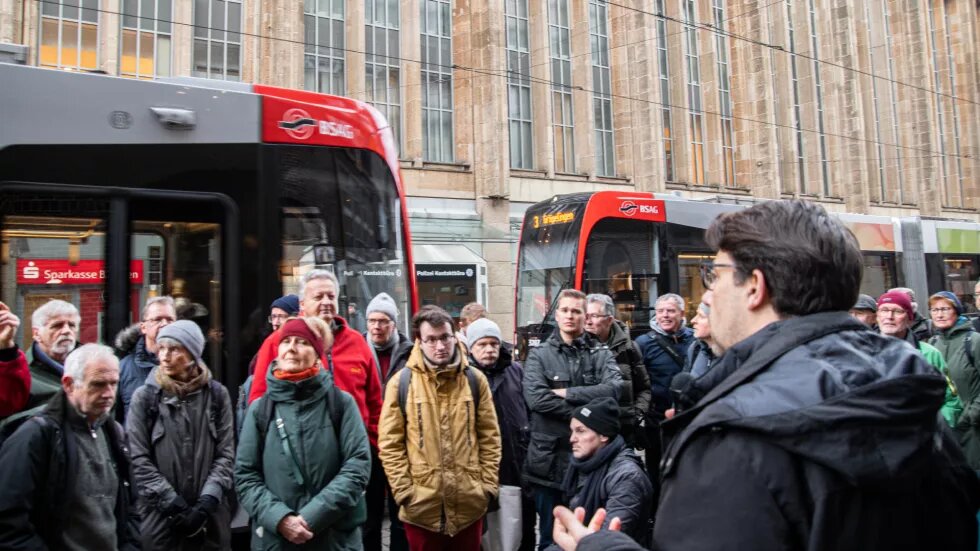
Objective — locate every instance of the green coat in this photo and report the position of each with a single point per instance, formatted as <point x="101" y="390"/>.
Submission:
<point x="966" y="379"/>
<point x="336" y="474"/>
<point x="952" y="408"/>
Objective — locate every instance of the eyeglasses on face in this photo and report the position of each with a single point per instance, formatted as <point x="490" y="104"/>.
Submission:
<point x="596" y="317"/>
<point x="380" y="323"/>
<point x="159" y="320"/>
<point x="278" y="317"/>
<point x="891" y="312"/>
<point x="941" y="310"/>
<point x="709" y="275"/>
<point x="442" y="339"/>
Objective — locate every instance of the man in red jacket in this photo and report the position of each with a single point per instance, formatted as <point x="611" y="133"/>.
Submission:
<point x="15" y="377"/>
<point x="354" y="370"/>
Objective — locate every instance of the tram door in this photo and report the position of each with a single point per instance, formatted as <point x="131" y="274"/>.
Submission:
<point x="107" y="252"/>
<point x="622" y="260"/>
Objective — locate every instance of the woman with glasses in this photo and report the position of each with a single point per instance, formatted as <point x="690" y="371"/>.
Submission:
<point x="304" y="459"/>
<point x="960" y="346"/>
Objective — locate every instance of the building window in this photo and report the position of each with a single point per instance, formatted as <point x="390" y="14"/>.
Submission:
<point x="940" y="112"/>
<point x="437" y="81"/>
<point x="954" y="110"/>
<point x="818" y="94"/>
<point x="724" y="93"/>
<point x="218" y="39"/>
<point x="518" y="83"/>
<point x="664" y="65"/>
<point x="797" y="109"/>
<point x="605" y="160"/>
<point x="695" y="112"/>
<point x="872" y="50"/>
<point x="323" y="46"/>
<point x="69" y="34"/>
<point x="381" y="65"/>
<point x="885" y="105"/>
<point x="145" y="50"/>
<point x="560" y="40"/>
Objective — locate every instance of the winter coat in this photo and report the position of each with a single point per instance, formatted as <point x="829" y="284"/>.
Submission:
<point x="965" y="375"/>
<point x="38" y="465"/>
<point x="816" y="433"/>
<point x="134" y="368"/>
<point x="626" y="493"/>
<point x="15" y="381"/>
<point x="442" y="456"/>
<point x="660" y="366"/>
<point x="699" y="358"/>
<point x="187" y="449"/>
<point x="506" y="383"/>
<point x="335" y="473"/>
<point x="354" y="371"/>
<point x="586" y="370"/>
<point x="634" y="395"/>
<point x="952" y="408"/>
<point x="45" y="377"/>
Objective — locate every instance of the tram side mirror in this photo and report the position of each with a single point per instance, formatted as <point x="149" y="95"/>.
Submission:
<point x="323" y="254"/>
<point x="175" y="119"/>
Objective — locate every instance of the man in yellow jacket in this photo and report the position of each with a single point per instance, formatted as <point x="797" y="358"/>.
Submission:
<point x="439" y="441"/>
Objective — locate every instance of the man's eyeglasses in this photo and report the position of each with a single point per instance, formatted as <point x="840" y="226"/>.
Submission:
<point x="380" y="323"/>
<point x="708" y="274"/>
<point x="596" y="317"/>
<point x="432" y="341"/>
<point x="278" y="317"/>
<point x="891" y="312"/>
<point x="160" y="320"/>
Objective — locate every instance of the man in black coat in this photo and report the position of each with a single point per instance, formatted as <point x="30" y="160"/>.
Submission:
<point x="65" y="473"/>
<point x="812" y="431"/>
<point x="505" y="376"/>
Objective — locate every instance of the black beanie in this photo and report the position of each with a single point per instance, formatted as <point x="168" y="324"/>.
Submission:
<point x="600" y="415"/>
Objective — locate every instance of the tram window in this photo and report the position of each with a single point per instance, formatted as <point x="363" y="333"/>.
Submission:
<point x="538" y="291"/>
<point x="341" y="212"/>
<point x="54" y="249"/>
<point x="879" y="274"/>
<point x="622" y="261"/>
<point x="960" y="275"/>
<point x="689" y="280"/>
<point x="183" y="260"/>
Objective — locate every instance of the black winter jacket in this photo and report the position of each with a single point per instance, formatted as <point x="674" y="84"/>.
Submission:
<point x="815" y="433"/>
<point x="634" y="395"/>
<point x="38" y="464"/>
<point x="626" y="493"/>
<point x="506" y="383"/>
<point x="586" y="370"/>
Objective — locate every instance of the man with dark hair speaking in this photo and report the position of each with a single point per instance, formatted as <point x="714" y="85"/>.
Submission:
<point x="812" y="431"/>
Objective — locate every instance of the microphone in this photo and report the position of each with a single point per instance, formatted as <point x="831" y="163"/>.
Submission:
<point x="684" y="391"/>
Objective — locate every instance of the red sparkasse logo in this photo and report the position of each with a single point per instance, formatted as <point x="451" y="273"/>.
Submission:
<point x="44" y="271"/>
<point x="298" y="124"/>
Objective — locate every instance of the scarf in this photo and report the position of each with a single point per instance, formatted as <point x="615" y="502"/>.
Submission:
<point x="593" y="470"/>
<point x="454" y="362"/>
<point x="386" y="347"/>
<point x="296" y="376"/>
<point x="183" y="388"/>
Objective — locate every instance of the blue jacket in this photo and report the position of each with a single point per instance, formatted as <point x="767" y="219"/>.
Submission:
<point x="133" y="371"/>
<point x="660" y="365"/>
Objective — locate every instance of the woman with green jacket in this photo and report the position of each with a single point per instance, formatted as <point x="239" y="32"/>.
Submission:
<point x="960" y="345"/>
<point x="300" y="477"/>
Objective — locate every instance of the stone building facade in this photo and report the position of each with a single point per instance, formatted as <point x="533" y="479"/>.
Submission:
<point x="868" y="107"/>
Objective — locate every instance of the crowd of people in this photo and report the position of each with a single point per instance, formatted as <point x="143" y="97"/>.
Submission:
<point x="775" y="421"/>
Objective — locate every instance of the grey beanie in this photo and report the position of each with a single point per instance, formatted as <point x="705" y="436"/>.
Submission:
<point x="385" y="304"/>
<point x="481" y="329"/>
<point x="188" y="334"/>
<point x="865" y="302"/>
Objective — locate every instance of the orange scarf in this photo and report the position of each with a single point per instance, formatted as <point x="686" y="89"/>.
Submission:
<point x="296" y="376"/>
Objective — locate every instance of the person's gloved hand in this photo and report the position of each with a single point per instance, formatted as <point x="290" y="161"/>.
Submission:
<point x="175" y="507"/>
<point x="192" y="523"/>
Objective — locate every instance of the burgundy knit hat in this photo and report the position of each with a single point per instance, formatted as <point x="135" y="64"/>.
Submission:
<point x="899" y="299"/>
<point x="298" y="328"/>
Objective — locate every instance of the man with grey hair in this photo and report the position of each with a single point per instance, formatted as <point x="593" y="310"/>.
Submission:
<point x="158" y="312"/>
<point x="664" y="350"/>
<point x="55" y="329"/>
<point x="921" y="326"/>
<point x="65" y="473"/>
<point x="634" y="396"/>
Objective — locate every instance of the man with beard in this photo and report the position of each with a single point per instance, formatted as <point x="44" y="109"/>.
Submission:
<point x="440" y="443"/>
<point x="505" y="376"/>
<point x="813" y="432"/>
<point x="55" y="329"/>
